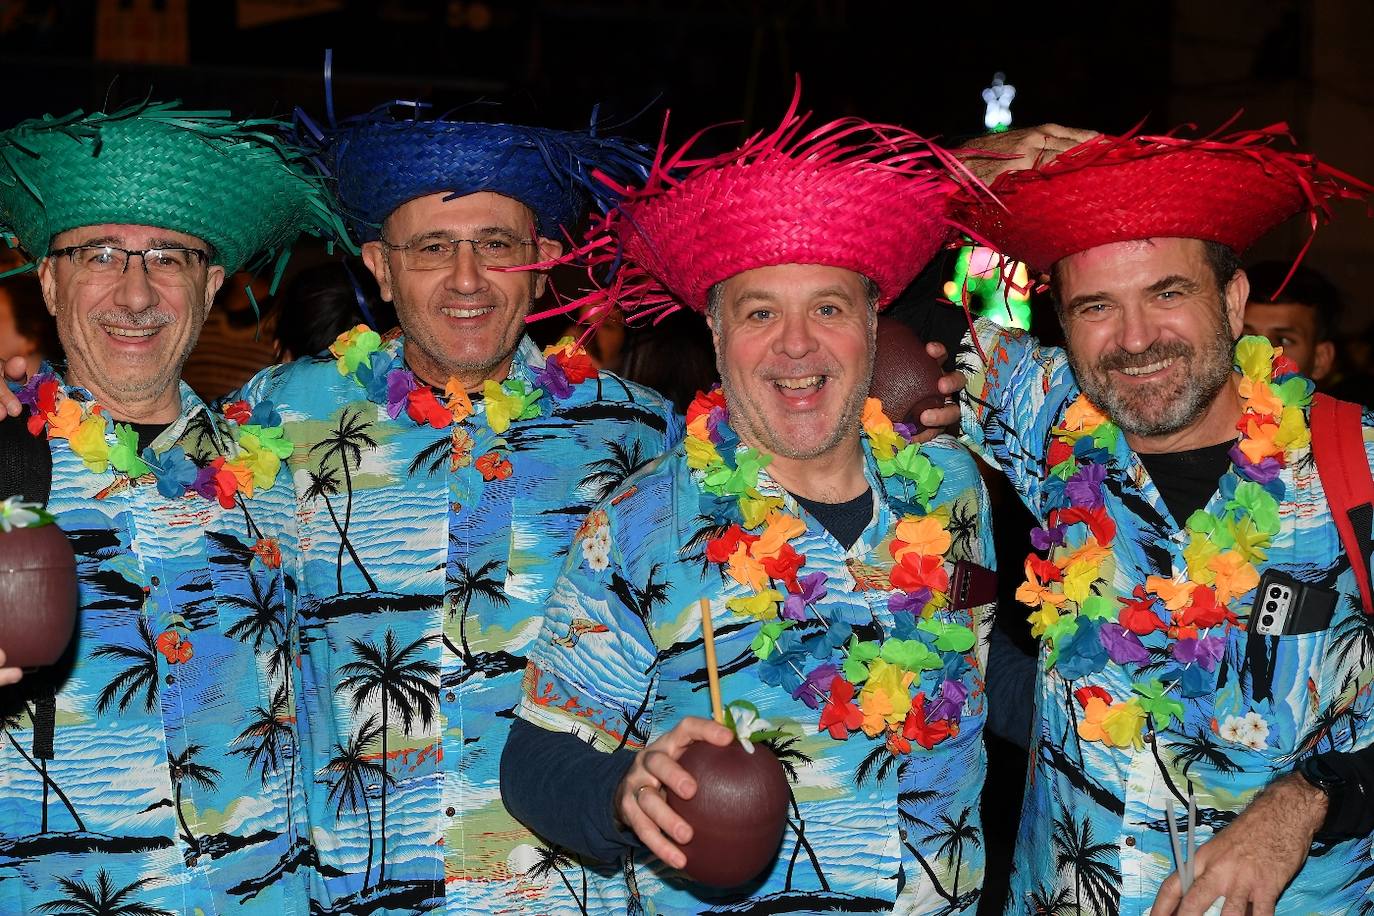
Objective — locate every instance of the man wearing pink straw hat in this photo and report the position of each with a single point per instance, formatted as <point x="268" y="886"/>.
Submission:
<point x="827" y="548"/>
<point x="1201" y="625"/>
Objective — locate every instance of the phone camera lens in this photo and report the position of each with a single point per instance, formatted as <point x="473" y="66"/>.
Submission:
<point x="1268" y="620"/>
<point x="1271" y="606"/>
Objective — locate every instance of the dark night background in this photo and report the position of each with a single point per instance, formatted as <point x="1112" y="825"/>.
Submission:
<point x="1106" y="66"/>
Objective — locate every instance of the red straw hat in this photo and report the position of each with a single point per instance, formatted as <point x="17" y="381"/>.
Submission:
<point x="853" y="194"/>
<point x="1230" y="189"/>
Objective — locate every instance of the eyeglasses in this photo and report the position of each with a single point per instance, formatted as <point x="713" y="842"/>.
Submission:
<point x="426" y="253"/>
<point x="107" y="262"/>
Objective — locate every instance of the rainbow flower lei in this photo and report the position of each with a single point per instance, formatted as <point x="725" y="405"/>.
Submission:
<point x="906" y="686"/>
<point x="360" y="353"/>
<point x="259" y="445"/>
<point x="1188" y="616"/>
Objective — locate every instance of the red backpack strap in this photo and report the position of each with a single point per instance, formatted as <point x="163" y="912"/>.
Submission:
<point x="1343" y="465"/>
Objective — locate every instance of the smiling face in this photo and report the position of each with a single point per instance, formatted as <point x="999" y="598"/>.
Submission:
<point x="1150" y="338"/>
<point x="126" y="335"/>
<point x="794" y="346"/>
<point x="462" y="321"/>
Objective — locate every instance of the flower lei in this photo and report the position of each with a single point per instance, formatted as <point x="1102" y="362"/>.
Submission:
<point x="907" y="685"/>
<point x="259" y="445"/>
<point x="359" y="353"/>
<point x="1189" y="616"/>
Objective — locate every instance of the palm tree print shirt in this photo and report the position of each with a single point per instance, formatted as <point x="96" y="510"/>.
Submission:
<point x="1094" y="832"/>
<point x="419" y="593"/>
<point x="620" y="661"/>
<point x="155" y="771"/>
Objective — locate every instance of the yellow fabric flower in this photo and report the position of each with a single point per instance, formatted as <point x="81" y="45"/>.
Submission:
<point x="924" y="536"/>
<point x="1078" y="580"/>
<point x="701" y="453"/>
<point x="1199" y="555"/>
<point x="1123" y="725"/>
<point x="1233" y="576"/>
<point x="1293" y="431"/>
<point x="1255" y="357"/>
<point x="1089" y="552"/>
<point x="755" y="508"/>
<point x="885" y="698"/>
<point x="260" y="462"/>
<point x="762" y="606"/>
<point x="1043" y="619"/>
<point x="88" y="441"/>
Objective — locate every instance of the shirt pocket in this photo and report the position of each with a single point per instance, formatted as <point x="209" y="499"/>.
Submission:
<point x="1283" y="680"/>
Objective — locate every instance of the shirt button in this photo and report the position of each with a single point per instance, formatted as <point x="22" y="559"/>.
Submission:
<point x="449" y="811"/>
<point x="171" y="679"/>
<point x="156" y="581"/>
<point x="1130" y="841"/>
<point x="451" y="696"/>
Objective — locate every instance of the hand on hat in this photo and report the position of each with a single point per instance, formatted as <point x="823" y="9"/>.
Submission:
<point x="1019" y="149"/>
<point x="16" y="370"/>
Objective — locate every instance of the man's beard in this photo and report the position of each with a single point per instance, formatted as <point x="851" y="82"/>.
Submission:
<point x="1166" y="408"/>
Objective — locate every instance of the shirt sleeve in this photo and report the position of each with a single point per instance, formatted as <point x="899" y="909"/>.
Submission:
<point x="1017" y="392"/>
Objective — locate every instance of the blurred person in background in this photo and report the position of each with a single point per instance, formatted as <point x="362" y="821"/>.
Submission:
<point x="322" y="302"/>
<point x="26" y="328"/>
<point x="1302" y="319"/>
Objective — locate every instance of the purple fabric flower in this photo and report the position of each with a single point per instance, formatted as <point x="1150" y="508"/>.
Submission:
<point x="909" y="602"/>
<point x="1261" y="473"/>
<point x="204" y="484"/>
<point x="812" y="590"/>
<point x="1084" y="488"/>
<point x="28" y="395"/>
<point x="1045" y="538"/>
<point x="1204" y="652"/>
<point x="399" y="384"/>
<point x="1122" y="645"/>
<point x="553" y="379"/>
<point x="816" y="685"/>
<point x="905" y="430"/>
<point x="951" y="702"/>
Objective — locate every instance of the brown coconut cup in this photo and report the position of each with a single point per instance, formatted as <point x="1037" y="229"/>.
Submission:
<point x="737" y="814"/>
<point x="904" y="376"/>
<point x="37" y="595"/>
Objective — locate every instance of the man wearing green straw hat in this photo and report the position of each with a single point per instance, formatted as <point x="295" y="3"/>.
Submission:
<point x="154" y="768"/>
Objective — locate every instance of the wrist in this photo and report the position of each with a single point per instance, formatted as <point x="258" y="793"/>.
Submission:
<point x="1318" y="791"/>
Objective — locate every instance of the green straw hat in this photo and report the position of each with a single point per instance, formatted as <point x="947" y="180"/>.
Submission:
<point x="239" y="185"/>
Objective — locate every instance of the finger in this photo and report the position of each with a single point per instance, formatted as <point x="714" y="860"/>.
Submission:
<point x="10" y="676"/>
<point x="671" y="824"/>
<point x="1236" y="905"/>
<point x="951" y="383"/>
<point x="1205" y="891"/>
<point x="936" y="350"/>
<point x="644" y="827"/>
<point x="665" y="771"/>
<point x="935" y="419"/>
<point x="1075" y="134"/>
<point x="1166" y="901"/>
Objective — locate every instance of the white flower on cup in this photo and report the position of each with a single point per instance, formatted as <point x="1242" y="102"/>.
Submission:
<point x="15" y="514"/>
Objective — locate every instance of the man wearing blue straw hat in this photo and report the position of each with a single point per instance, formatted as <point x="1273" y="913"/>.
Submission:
<point x="440" y="474"/>
<point x="154" y="769"/>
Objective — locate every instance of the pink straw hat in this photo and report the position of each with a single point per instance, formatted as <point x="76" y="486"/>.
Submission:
<point x="867" y="197"/>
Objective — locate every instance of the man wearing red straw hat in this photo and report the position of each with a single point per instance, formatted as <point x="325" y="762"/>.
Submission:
<point x="826" y="548"/>
<point x="1202" y="628"/>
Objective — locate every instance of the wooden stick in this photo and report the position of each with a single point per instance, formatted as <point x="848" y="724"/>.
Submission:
<point x="708" y="636"/>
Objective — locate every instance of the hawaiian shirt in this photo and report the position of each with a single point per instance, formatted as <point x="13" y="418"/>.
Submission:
<point x="157" y="771"/>
<point x="422" y="582"/>
<point x="1094" y="830"/>
<point x="620" y="661"/>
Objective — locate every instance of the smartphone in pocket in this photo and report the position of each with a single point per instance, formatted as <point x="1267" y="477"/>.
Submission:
<point x="1283" y="606"/>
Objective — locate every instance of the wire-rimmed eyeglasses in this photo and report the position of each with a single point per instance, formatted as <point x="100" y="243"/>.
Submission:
<point x="106" y="262"/>
<point x="431" y="253"/>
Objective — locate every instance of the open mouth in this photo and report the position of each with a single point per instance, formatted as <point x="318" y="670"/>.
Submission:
<point x="468" y="313"/>
<point x="1150" y="369"/>
<point x="130" y="334"/>
<point x="801" y="386"/>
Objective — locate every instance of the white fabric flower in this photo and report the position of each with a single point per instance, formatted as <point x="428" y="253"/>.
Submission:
<point x="16" y="514"/>
<point x="748" y="722"/>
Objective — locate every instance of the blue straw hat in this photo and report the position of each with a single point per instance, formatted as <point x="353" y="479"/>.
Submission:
<point x="380" y="162"/>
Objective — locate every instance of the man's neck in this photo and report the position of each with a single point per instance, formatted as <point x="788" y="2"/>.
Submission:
<point x="834" y="477"/>
<point x="162" y="407"/>
<point x="435" y="375"/>
<point x="1216" y="425"/>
